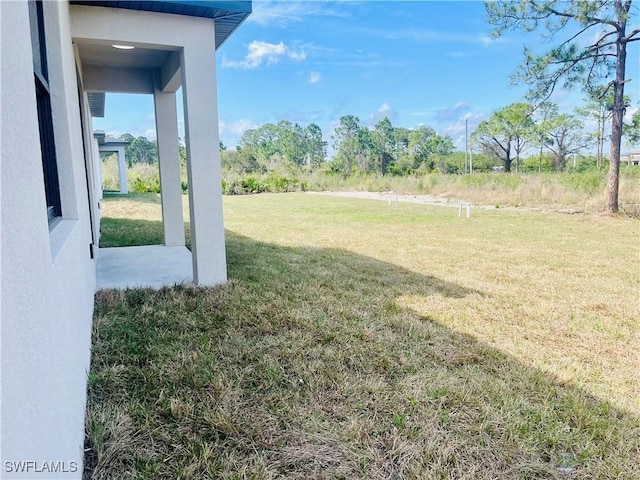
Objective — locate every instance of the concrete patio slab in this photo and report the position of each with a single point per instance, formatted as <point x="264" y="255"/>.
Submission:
<point x="152" y="266"/>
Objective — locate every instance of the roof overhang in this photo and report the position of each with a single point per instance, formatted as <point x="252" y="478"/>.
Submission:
<point x="105" y="140"/>
<point x="101" y="63"/>
<point x="227" y="15"/>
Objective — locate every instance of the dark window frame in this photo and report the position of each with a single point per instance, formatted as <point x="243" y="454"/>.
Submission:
<point x="45" y="117"/>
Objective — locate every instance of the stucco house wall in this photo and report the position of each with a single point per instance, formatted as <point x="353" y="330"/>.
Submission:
<point x="47" y="277"/>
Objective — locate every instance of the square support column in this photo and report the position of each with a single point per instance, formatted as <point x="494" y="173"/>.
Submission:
<point x="122" y="170"/>
<point x="198" y="68"/>
<point x="169" y="161"/>
<point x="97" y="167"/>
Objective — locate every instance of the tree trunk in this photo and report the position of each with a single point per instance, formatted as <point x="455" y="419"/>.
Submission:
<point x="600" y="139"/>
<point x="540" y="157"/>
<point x="618" y="113"/>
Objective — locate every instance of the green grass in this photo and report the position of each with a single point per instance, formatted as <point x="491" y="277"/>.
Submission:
<point x="358" y="340"/>
<point x="134" y="219"/>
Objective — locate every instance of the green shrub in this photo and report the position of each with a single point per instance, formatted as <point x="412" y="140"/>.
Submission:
<point x="150" y="185"/>
<point x="590" y="181"/>
<point x="237" y="184"/>
<point x="278" y="183"/>
<point x="251" y="184"/>
<point x="144" y="178"/>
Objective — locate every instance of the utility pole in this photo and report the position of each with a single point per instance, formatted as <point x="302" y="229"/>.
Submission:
<point x="466" y="144"/>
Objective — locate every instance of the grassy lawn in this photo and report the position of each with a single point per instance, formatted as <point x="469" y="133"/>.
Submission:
<point x="360" y="340"/>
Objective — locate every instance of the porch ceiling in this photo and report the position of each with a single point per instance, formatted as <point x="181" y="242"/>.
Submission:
<point x="106" y="68"/>
<point x="107" y="55"/>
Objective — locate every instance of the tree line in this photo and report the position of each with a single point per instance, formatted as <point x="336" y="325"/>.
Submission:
<point x="141" y="150"/>
<point x="525" y="126"/>
<point x="357" y="148"/>
<point x="541" y="134"/>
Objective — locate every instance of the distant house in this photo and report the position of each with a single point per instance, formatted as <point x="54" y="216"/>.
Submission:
<point x="630" y="158"/>
<point x="58" y="59"/>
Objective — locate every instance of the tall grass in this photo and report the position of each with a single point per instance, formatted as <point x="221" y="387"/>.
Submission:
<point x="582" y="191"/>
<point x="109" y="172"/>
<point x="141" y="178"/>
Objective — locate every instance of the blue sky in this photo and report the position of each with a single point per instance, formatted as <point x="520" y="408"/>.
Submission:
<point x="427" y="62"/>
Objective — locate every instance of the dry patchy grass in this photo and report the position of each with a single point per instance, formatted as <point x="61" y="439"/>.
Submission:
<point x="358" y="340"/>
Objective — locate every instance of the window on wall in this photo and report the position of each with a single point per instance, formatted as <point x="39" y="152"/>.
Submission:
<point x="45" y="120"/>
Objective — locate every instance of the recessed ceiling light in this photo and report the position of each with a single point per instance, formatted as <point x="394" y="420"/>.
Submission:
<point x="124" y="47"/>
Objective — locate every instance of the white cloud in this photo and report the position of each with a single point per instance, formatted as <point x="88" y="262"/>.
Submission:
<point x="149" y="133"/>
<point x="314" y="77"/>
<point x="421" y="35"/>
<point x="181" y="128"/>
<point x="259" y="52"/>
<point x="385" y="110"/>
<point x="302" y="117"/>
<point x="459" y="54"/>
<point x="488" y="40"/>
<point x="457" y="129"/>
<point x="115" y="133"/>
<point x="234" y="130"/>
<point x="451" y="113"/>
<point x="281" y="14"/>
<point x="629" y="113"/>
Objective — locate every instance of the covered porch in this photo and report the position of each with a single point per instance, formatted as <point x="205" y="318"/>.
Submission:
<point x="156" y="48"/>
<point x="152" y="266"/>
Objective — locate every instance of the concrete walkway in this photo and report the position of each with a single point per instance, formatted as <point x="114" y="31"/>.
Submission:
<point x="149" y="266"/>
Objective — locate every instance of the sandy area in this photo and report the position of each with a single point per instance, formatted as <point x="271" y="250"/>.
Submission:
<point x="392" y="197"/>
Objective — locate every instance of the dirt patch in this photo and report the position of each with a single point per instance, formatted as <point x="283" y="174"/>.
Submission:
<point x="392" y="197"/>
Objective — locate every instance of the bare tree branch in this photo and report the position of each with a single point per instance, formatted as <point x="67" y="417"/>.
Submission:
<point x="570" y="16"/>
<point x="577" y="34"/>
<point x="630" y="37"/>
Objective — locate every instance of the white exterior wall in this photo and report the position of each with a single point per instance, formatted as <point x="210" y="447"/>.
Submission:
<point x="47" y="278"/>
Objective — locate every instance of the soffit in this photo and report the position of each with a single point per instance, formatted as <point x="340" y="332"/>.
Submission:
<point x="227" y="16"/>
<point x="107" y="55"/>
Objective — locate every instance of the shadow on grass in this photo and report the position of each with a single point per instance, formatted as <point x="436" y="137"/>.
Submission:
<point x="305" y="366"/>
